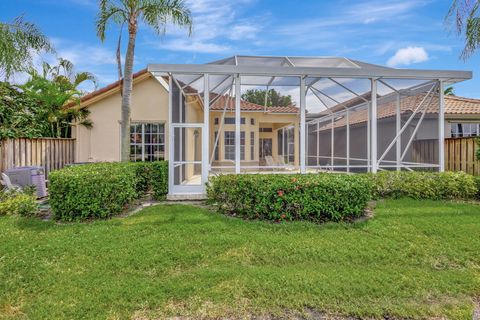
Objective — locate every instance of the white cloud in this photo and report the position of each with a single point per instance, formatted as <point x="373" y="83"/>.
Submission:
<point x="216" y="22"/>
<point x="407" y="56"/>
<point x="240" y="32"/>
<point x="194" y="46"/>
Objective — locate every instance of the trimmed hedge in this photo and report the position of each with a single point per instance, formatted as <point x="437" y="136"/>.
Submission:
<point x="102" y="190"/>
<point x="278" y="197"/>
<point x="424" y="185"/>
<point x="152" y="177"/>
<point x="477" y="183"/>
<point x="335" y="197"/>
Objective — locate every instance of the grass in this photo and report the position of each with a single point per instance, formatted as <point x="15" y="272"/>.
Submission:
<point x="415" y="259"/>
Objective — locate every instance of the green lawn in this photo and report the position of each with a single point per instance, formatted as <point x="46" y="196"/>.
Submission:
<point x="414" y="259"/>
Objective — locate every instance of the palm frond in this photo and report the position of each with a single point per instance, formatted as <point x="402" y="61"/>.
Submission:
<point x="108" y="12"/>
<point x="19" y="40"/>
<point x="81" y="77"/>
<point x="463" y="15"/>
<point x="158" y="13"/>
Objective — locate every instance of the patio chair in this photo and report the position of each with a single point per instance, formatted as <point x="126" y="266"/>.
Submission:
<point x="281" y="163"/>
<point x="269" y="161"/>
<point x="8" y="184"/>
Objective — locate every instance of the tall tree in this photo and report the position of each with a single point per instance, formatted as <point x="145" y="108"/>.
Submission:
<point x="19" y="40"/>
<point x="267" y="98"/>
<point x="464" y="15"/>
<point x="154" y="13"/>
<point x="55" y="87"/>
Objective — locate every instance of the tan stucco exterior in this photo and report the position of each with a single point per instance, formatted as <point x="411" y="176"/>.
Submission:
<point x="150" y="104"/>
<point x="102" y="141"/>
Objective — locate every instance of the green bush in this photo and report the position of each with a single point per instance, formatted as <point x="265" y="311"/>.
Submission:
<point x="152" y="177"/>
<point x="424" y="185"/>
<point x="17" y="202"/>
<point x="159" y="179"/>
<point x="277" y="197"/>
<point x="477" y="183"/>
<point x="103" y="189"/>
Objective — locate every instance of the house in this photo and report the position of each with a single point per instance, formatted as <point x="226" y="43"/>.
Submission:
<point x="348" y="116"/>
<point x="149" y="117"/>
<point x="462" y="119"/>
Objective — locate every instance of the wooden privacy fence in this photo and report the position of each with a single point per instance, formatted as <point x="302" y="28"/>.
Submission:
<point x="460" y="154"/>
<point x="50" y="153"/>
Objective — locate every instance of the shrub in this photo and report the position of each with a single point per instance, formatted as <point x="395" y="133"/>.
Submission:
<point x="103" y="189"/>
<point x="17" y="202"/>
<point x="92" y="191"/>
<point x="159" y="179"/>
<point x="477" y="183"/>
<point x="424" y="185"/>
<point x="278" y="197"/>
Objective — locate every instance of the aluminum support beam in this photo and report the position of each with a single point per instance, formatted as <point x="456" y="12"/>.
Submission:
<point x="303" y="150"/>
<point x="237" y="123"/>
<point x="348" y="89"/>
<point x="441" y="128"/>
<point x="332" y="142"/>
<point x="312" y="71"/>
<point x="369" y="140"/>
<point x="406" y="124"/>
<point x="206" y="130"/>
<point x="398" y="127"/>
<point x="373" y="112"/>
<point x="318" y="143"/>
<point x="222" y="121"/>
<point x="347" y="134"/>
<point x="171" y="138"/>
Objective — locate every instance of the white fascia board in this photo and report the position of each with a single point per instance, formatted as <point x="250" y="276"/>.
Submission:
<point x="162" y="82"/>
<point x="451" y="75"/>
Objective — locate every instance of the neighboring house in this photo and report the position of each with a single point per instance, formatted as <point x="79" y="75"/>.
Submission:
<point x="462" y="119"/>
<point x="260" y="126"/>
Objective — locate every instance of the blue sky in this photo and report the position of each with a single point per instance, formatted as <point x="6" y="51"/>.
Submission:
<point x="399" y="33"/>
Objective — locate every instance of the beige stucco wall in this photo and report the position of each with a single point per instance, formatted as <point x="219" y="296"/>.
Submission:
<point x="102" y="141"/>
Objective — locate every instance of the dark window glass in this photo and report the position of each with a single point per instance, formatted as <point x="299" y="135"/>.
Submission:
<point x="147" y="141"/>
<point x="252" y="145"/>
<point x="216" y="146"/>
<point x="231" y="120"/>
<point x="229" y="144"/>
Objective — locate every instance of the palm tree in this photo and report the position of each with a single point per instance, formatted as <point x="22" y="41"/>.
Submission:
<point x="18" y="41"/>
<point x="466" y="21"/>
<point x="154" y="13"/>
<point x="450" y="91"/>
<point x="56" y="87"/>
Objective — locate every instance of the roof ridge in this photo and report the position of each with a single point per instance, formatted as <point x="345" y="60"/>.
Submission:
<point x="461" y="98"/>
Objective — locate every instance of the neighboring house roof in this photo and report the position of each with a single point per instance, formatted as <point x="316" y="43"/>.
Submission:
<point x="114" y="87"/>
<point x="461" y="105"/>
<point x="454" y="106"/>
<point x="219" y="105"/>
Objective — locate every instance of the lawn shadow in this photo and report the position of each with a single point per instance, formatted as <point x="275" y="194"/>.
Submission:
<point x="34" y="224"/>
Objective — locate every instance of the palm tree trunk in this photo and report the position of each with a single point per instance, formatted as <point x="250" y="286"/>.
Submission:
<point x="127" y="98"/>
